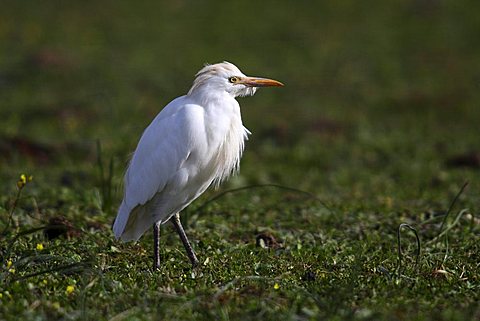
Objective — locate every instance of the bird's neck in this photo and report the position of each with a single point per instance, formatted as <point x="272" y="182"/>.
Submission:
<point x="211" y="98"/>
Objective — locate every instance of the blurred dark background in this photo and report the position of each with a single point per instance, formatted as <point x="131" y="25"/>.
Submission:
<point x="378" y="95"/>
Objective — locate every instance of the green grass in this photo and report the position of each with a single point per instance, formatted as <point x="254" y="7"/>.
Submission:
<point x="380" y="99"/>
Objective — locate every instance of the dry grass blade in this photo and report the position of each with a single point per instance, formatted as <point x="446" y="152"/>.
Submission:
<point x="400" y="255"/>
<point x="66" y="269"/>
<point x="451" y="206"/>
<point x="239" y="189"/>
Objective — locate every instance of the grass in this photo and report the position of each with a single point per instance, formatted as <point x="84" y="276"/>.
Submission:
<point x="356" y="206"/>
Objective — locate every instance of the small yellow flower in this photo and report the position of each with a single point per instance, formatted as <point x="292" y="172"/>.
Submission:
<point x="70" y="289"/>
<point x="39" y="247"/>
<point x="276" y="286"/>
<point x="23" y="180"/>
<point x="45" y="281"/>
<point x="1" y="295"/>
<point x="9" y="264"/>
<point x="11" y="270"/>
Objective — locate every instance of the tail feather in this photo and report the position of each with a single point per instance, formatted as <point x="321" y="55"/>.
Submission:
<point x="121" y="220"/>
<point x="130" y="224"/>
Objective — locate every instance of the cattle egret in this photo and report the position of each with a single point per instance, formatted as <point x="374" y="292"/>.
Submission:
<point x="195" y="141"/>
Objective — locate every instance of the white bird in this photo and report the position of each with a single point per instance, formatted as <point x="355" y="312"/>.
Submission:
<point x="195" y="141"/>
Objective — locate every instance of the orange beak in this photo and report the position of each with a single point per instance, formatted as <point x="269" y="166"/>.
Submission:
<point x="260" y="82"/>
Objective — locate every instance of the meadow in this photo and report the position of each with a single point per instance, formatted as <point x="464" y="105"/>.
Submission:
<point x="358" y="195"/>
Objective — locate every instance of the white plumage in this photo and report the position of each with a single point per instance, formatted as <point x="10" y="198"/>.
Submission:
<point x="196" y="140"/>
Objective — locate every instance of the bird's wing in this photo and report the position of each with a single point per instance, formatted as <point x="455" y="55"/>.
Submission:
<point x="162" y="150"/>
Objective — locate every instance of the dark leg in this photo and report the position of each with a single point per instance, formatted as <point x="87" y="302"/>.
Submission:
<point x="188" y="247"/>
<point x="156" y="246"/>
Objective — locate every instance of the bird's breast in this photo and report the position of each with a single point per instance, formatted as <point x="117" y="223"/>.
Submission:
<point x="227" y="143"/>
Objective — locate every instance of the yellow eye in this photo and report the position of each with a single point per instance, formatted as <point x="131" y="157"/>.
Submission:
<point x="233" y="79"/>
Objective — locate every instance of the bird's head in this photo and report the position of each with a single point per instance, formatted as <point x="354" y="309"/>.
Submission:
<point x="226" y="77"/>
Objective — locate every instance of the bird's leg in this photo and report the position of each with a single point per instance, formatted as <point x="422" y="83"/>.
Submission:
<point x="156" y="245"/>
<point x="188" y="247"/>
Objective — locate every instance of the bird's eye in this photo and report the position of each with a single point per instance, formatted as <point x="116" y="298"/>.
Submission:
<point x="233" y="79"/>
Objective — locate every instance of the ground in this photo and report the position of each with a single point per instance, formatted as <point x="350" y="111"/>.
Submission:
<point x="358" y="195"/>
